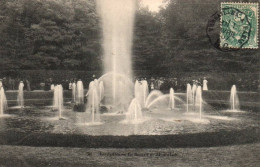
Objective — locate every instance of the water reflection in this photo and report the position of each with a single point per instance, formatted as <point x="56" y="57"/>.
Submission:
<point x="41" y="120"/>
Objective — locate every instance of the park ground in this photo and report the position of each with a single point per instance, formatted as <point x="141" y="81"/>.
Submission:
<point x="235" y="155"/>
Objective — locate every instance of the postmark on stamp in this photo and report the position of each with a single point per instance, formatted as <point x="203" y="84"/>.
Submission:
<point x="239" y="25"/>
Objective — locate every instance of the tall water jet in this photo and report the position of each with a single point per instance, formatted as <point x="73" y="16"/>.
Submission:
<point x="101" y="91"/>
<point x="188" y="96"/>
<point x="199" y="100"/>
<point x="193" y="90"/>
<point x="145" y="90"/>
<point x="80" y="93"/>
<point x="141" y="92"/>
<point x="20" y="98"/>
<point x="55" y="97"/>
<point x="117" y="19"/>
<point x="171" y="99"/>
<point x="234" y="102"/>
<point x="138" y="92"/>
<point x="60" y="100"/>
<point x="73" y="92"/>
<point x="93" y="101"/>
<point x="134" y="113"/>
<point x="3" y="101"/>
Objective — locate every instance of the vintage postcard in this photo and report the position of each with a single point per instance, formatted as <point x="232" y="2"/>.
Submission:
<point x="129" y="83"/>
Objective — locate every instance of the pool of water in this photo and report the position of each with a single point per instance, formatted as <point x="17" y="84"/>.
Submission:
<point x="40" y="126"/>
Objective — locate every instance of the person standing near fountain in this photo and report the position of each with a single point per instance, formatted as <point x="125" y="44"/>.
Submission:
<point x="70" y="85"/>
<point x="205" y="84"/>
<point x="28" y="85"/>
<point x="20" y="99"/>
<point x="52" y="87"/>
<point x="151" y="83"/>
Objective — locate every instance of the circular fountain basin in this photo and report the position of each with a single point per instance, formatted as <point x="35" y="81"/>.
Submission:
<point x="39" y="126"/>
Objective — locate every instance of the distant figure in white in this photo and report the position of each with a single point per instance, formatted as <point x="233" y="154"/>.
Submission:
<point x="70" y="86"/>
<point x="20" y="98"/>
<point x="205" y="84"/>
<point x="52" y="86"/>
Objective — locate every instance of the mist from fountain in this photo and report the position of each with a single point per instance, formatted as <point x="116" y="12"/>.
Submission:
<point x="234" y="101"/>
<point x="20" y="98"/>
<point x="80" y="93"/>
<point x="124" y="93"/>
<point x="117" y="18"/>
<point x="3" y="102"/>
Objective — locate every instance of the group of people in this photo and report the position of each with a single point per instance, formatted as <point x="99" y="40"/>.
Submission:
<point x="175" y="83"/>
<point x="178" y="83"/>
<point x="159" y="83"/>
<point x="11" y="84"/>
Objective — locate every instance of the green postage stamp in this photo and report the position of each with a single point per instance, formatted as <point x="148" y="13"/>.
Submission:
<point x="239" y="25"/>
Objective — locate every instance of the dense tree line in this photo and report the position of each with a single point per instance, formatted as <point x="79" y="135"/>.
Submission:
<point x="49" y="35"/>
<point x="66" y="35"/>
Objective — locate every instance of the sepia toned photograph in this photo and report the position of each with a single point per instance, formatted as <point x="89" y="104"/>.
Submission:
<point x="111" y="83"/>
